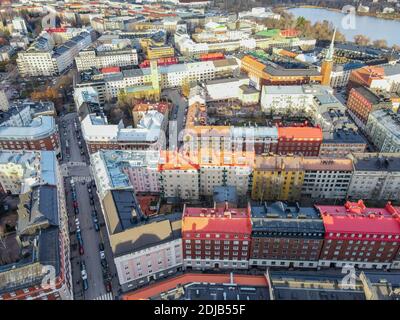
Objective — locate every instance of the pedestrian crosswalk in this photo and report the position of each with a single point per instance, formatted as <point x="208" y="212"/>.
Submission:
<point x="106" y="296"/>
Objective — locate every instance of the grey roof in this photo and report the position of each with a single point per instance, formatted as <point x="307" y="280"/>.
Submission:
<point x="346" y="136"/>
<point x="391" y="70"/>
<point x="378" y="163"/>
<point x="367" y="94"/>
<point x="49" y="248"/>
<point x="132" y="73"/>
<point x="48" y="167"/>
<point x="225" y="193"/>
<point x="248" y="89"/>
<point x="40" y="207"/>
<point x="279" y="71"/>
<point x="48" y="204"/>
<point x="125" y="203"/>
<point x="40" y="127"/>
<point x="279" y="219"/>
<point x="216" y="291"/>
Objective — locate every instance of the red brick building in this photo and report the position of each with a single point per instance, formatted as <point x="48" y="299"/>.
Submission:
<point x="362" y="102"/>
<point x="216" y="238"/>
<point x="360" y="236"/>
<point x="42" y="134"/>
<point x="285" y="235"/>
<point x="304" y="141"/>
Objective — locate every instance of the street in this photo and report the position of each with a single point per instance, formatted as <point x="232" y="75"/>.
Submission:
<point x="179" y="110"/>
<point x="76" y="166"/>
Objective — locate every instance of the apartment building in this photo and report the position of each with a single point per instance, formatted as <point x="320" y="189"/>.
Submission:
<point x="284" y="99"/>
<point x="142" y="252"/>
<point x="43" y="58"/>
<point x="326" y="178"/>
<point x="225" y="169"/>
<point x="277" y="178"/>
<point x="42" y="236"/>
<point x="157" y="52"/>
<point x="262" y="72"/>
<point x="305" y="141"/>
<point x="41" y="133"/>
<point x="341" y="142"/>
<point x="99" y="135"/>
<point x="214" y="238"/>
<point x="239" y="88"/>
<point x="383" y="129"/>
<point x="362" y="102"/>
<point x="179" y="178"/>
<point x="257" y="139"/>
<point x="375" y="176"/>
<point x="169" y="76"/>
<point x="316" y="103"/>
<point x="103" y="57"/>
<point x="20" y="170"/>
<point x="359" y="236"/>
<point x="126" y="169"/>
<point x="285" y="235"/>
<point x="384" y="77"/>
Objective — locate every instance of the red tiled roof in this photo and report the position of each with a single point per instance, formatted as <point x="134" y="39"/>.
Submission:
<point x="357" y="218"/>
<point x="300" y="132"/>
<point x="110" y="69"/>
<point x="218" y="220"/>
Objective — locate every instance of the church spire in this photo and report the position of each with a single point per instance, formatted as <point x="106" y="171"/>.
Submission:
<point x="329" y="55"/>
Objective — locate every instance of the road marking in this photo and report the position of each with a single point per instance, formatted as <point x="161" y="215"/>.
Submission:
<point x="106" y="296"/>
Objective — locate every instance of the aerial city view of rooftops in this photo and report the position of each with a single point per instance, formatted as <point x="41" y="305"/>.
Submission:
<point x="199" y="150"/>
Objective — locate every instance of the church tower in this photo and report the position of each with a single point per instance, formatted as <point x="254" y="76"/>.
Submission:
<point x="327" y="64"/>
<point x="154" y="78"/>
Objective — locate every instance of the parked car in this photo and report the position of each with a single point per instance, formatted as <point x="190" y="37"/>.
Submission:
<point x="77" y="222"/>
<point x="81" y="250"/>
<point x="108" y="286"/>
<point x="85" y="285"/>
<point x="101" y="246"/>
<point x="76" y="210"/>
<point x="102" y="255"/>
<point x="96" y="224"/>
<point x="92" y="202"/>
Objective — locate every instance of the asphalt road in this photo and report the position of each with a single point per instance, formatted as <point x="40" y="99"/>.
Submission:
<point x="179" y="110"/>
<point x="76" y="166"/>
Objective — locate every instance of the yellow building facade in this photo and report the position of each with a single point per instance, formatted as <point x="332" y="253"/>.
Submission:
<point x="277" y="178"/>
<point x="157" y="52"/>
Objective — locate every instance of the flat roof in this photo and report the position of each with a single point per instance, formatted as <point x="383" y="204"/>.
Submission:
<point x="377" y="162"/>
<point x="306" y="133"/>
<point x="355" y="218"/>
<point x="216" y="220"/>
<point x="281" y="219"/>
<point x="163" y="286"/>
<point x="327" y="164"/>
<point x="345" y="136"/>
